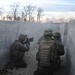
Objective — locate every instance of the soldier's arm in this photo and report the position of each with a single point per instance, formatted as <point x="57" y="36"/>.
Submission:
<point x="61" y="49"/>
<point x="24" y="48"/>
<point x="37" y="56"/>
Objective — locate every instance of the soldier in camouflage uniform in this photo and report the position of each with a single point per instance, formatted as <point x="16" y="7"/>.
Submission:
<point x="47" y="56"/>
<point x="60" y="46"/>
<point x="17" y="50"/>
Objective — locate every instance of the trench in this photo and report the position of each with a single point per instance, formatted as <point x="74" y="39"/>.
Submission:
<point x="10" y="31"/>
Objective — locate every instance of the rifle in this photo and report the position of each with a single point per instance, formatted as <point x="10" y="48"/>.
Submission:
<point x="28" y="41"/>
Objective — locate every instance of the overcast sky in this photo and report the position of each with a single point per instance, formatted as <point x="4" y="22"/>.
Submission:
<point x="46" y="5"/>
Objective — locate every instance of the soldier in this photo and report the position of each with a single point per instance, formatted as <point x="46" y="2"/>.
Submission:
<point x="60" y="46"/>
<point x="47" y="56"/>
<point x="17" y="50"/>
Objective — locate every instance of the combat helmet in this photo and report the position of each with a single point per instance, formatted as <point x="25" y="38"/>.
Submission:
<point x="22" y="37"/>
<point x="48" y="32"/>
<point x="57" y="34"/>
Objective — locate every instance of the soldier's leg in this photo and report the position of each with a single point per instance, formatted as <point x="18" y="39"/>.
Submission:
<point x="13" y="62"/>
<point x="37" y="72"/>
<point x="23" y="64"/>
<point x="52" y="69"/>
<point x="47" y="71"/>
<point x="40" y="71"/>
<point x="50" y="72"/>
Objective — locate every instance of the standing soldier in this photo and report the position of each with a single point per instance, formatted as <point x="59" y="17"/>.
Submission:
<point x="60" y="46"/>
<point x="47" y="56"/>
<point x="18" y="49"/>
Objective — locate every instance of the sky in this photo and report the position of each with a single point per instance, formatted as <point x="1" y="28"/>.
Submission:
<point x="53" y="6"/>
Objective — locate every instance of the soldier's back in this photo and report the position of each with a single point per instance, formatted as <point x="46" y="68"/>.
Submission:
<point x="45" y="51"/>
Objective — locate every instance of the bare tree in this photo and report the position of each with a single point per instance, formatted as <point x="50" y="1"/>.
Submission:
<point x="9" y="17"/>
<point x="24" y="13"/>
<point x="14" y="8"/>
<point x="27" y="12"/>
<point x="71" y="18"/>
<point x="39" y="13"/>
<point x="61" y="20"/>
<point x="18" y="18"/>
<point x="30" y="10"/>
<point x="22" y="16"/>
<point x="1" y="11"/>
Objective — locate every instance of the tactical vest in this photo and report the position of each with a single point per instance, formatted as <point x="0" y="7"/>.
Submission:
<point x="45" y="52"/>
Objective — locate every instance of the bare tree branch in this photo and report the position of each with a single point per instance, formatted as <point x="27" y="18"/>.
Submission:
<point x="1" y="11"/>
<point x="39" y="13"/>
<point x="30" y="10"/>
<point x="14" y="8"/>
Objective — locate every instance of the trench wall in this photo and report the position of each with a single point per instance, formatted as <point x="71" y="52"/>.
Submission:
<point x="68" y="35"/>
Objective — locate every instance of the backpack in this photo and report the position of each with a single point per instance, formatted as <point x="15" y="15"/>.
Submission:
<point x="47" y="52"/>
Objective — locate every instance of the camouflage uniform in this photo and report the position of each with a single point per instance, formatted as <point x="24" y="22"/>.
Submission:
<point x="47" y="56"/>
<point x="59" y="45"/>
<point x="18" y="50"/>
<point x="57" y="39"/>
